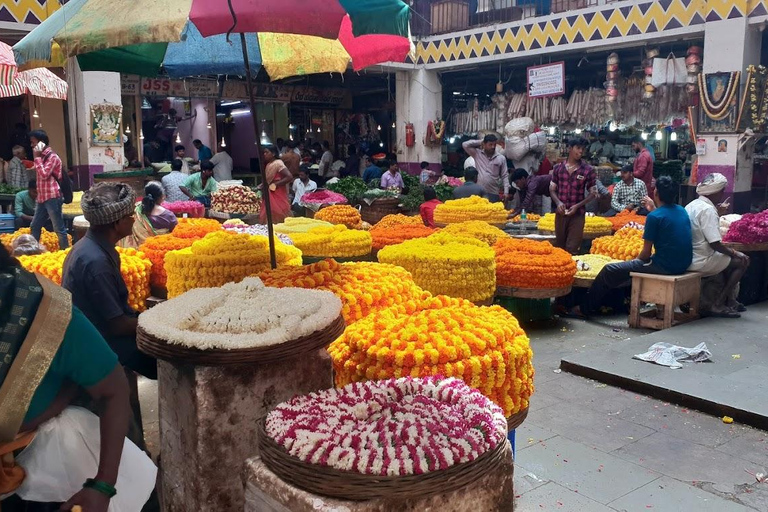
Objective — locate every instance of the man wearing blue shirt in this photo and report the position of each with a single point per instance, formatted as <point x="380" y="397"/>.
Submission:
<point x="372" y="171"/>
<point x="203" y="151"/>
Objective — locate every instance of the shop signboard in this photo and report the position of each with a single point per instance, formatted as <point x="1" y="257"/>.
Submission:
<point x="236" y="90"/>
<point x="546" y="80"/>
<point x="129" y="85"/>
<point x="180" y="88"/>
<point x="316" y="95"/>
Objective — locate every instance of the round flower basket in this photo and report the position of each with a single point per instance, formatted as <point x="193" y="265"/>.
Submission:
<point x="379" y="209"/>
<point x="180" y="354"/>
<point x="516" y="420"/>
<point x="736" y="246"/>
<point x="532" y="293"/>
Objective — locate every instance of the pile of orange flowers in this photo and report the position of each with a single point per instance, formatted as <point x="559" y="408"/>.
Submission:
<point x="156" y="247"/>
<point x="134" y="267"/>
<point x="398" y="219"/>
<point x="341" y="214"/>
<point x="196" y="228"/>
<point x="384" y="236"/>
<point x="484" y="346"/>
<point x="623" y="218"/>
<point x="625" y="245"/>
<point x="477" y="229"/>
<point x="530" y="217"/>
<point x="522" y="263"/>
<point x="47" y="239"/>
<point x="363" y="287"/>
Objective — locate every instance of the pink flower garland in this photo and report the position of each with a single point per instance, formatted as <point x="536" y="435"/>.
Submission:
<point x="388" y="428"/>
<point x="752" y="228"/>
<point x="191" y="208"/>
<point x="323" y="197"/>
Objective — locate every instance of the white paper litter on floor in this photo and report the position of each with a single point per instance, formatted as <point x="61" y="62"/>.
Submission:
<point x="672" y="356"/>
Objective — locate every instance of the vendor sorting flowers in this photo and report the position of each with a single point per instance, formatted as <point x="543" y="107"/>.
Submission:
<point x="199" y="186"/>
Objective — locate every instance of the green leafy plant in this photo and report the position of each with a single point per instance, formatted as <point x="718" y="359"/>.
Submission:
<point x="352" y="188"/>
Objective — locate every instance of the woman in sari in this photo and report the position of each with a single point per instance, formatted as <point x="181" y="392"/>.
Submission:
<point x="50" y="353"/>
<point x="151" y="219"/>
<point x="278" y="179"/>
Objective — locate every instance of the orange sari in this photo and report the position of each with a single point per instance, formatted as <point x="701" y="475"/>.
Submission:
<point x="278" y="198"/>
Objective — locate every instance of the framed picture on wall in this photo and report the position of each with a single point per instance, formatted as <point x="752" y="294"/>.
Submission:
<point x="719" y="107"/>
<point x="106" y="124"/>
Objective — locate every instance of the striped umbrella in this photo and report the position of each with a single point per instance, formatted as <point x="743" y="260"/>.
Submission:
<point x="7" y="64"/>
<point x="37" y="82"/>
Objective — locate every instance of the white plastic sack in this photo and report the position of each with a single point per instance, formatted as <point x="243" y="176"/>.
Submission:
<point x="517" y="147"/>
<point x="726" y="221"/>
<point x="669" y="71"/>
<point x="519" y="127"/>
<point x="670" y="355"/>
<point x="65" y="453"/>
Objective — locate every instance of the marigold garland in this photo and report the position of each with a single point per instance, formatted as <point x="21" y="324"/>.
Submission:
<point x="156" y="247"/>
<point x="593" y="225"/>
<point x="299" y="225"/>
<point x="625" y="245"/>
<point x="445" y="264"/>
<point x="363" y="287"/>
<point x="220" y="258"/>
<point x="134" y="267"/>
<point x="589" y="265"/>
<point x="47" y="239"/>
<point x="477" y="229"/>
<point x="531" y="264"/>
<point x="398" y="219"/>
<point x="471" y="208"/>
<point x="341" y="214"/>
<point x="484" y="346"/>
<point x="623" y="218"/>
<point x="530" y="217"/>
<point x="384" y="236"/>
<point x="333" y="242"/>
<point x="196" y="228"/>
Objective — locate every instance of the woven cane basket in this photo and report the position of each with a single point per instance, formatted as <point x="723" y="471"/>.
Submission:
<point x="355" y="486"/>
<point x="517" y="419"/>
<point x="221" y="357"/>
<point x="379" y="209"/>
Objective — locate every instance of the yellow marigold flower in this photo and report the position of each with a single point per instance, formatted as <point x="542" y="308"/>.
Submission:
<point x="398" y="219"/>
<point x="593" y="225"/>
<point x="333" y="241"/>
<point x="478" y="229"/>
<point x="532" y="264"/>
<point x="299" y="225"/>
<point x="49" y="240"/>
<point x="471" y="208"/>
<point x="625" y="245"/>
<point x="589" y="265"/>
<point x="341" y="214"/>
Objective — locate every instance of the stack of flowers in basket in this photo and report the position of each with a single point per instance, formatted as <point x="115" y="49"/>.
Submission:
<point x="240" y="315"/>
<point x="237" y="199"/>
<point x="593" y="225"/>
<point x="384" y="236"/>
<point x="323" y="197"/>
<point x="363" y="287"/>
<point x="752" y="228"/>
<point x="49" y="240"/>
<point x="333" y="242"/>
<point x="625" y="245"/>
<point x="193" y="209"/>
<point x="471" y="208"/>
<point x="478" y="229"/>
<point x="299" y="225"/>
<point x="532" y="265"/>
<point x="398" y="219"/>
<point x="447" y="264"/>
<point x="484" y="346"/>
<point x="589" y="265"/>
<point x="394" y="427"/>
<point x="256" y="229"/>
<point x="623" y="218"/>
<point x="220" y="258"/>
<point x="341" y="214"/>
<point x="134" y="267"/>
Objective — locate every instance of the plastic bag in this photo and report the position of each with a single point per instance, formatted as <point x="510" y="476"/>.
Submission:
<point x="670" y="355"/>
<point x="669" y="71"/>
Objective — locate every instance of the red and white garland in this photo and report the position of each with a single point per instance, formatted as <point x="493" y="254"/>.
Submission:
<point x="393" y="427"/>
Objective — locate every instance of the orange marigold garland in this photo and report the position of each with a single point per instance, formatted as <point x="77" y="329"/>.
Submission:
<point x="623" y="218"/>
<point x="196" y="228"/>
<point x="341" y="214"/>
<point x="398" y="219"/>
<point x="384" y="236"/>
<point x="47" y="239"/>
<point x="533" y="265"/>
<point x="156" y="247"/>
<point x="625" y="245"/>
<point x="477" y="229"/>
<point x="484" y="346"/>
<point x="363" y="287"/>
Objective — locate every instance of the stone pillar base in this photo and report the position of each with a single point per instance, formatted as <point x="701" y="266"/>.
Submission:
<point x="266" y="492"/>
<point x="208" y="418"/>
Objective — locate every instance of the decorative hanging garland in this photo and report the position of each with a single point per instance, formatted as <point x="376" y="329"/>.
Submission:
<point x="435" y="133"/>
<point x="758" y="108"/>
<point x="718" y="110"/>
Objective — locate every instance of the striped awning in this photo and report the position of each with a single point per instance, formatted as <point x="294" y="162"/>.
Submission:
<point x="38" y="82"/>
<point x="7" y="64"/>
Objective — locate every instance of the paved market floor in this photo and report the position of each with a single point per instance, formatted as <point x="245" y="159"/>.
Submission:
<point x="590" y="447"/>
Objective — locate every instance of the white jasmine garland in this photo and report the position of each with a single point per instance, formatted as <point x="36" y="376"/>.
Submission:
<point x="240" y="315"/>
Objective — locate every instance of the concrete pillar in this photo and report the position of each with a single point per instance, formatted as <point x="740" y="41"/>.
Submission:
<point x="419" y="99"/>
<point x="86" y="89"/>
<point x="730" y="45"/>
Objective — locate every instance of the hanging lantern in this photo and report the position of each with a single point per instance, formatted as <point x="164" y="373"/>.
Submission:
<point x="127" y="130"/>
<point x="223" y="143"/>
<point x="141" y="135"/>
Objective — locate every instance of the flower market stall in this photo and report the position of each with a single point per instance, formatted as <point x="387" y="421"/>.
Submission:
<point x="527" y="269"/>
<point x="624" y="245"/>
<point x="333" y="241"/>
<point x="470" y="208"/>
<point x="594" y="226"/>
<point x="587" y="268"/>
<point x="749" y="234"/>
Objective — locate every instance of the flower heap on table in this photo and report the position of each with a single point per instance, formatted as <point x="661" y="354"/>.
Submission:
<point x="134" y="267"/>
<point x="156" y="247"/>
<point x="256" y="229"/>
<point x="333" y="242"/>
<point x="398" y="219"/>
<point x="483" y="346"/>
<point x="191" y="208"/>
<point x="237" y="199"/>
<point x="299" y="225"/>
<point x="589" y="265"/>
<point x="220" y="258"/>
<point x="240" y="315"/>
<point x="447" y="264"/>
<point x="49" y="240"/>
<point x="471" y="208"/>
<point x="323" y="197"/>
<point x="477" y="229"/>
<point x="752" y="228"/>
<point x="394" y="427"/>
<point x="532" y="265"/>
<point x="530" y="217"/>
<point x="625" y="245"/>
<point x="623" y="218"/>
<point x="593" y="225"/>
<point x="196" y="228"/>
<point x="343" y="214"/>
<point x="384" y="236"/>
<point x="363" y="287"/>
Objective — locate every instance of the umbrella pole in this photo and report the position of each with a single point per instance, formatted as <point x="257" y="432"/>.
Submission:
<point x="262" y="166"/>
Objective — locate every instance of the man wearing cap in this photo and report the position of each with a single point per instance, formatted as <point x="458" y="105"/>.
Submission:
<point x="710" y="256"/>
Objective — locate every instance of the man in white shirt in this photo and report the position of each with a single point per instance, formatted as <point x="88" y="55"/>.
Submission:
<point x="172" y="181"/>
<point x="301" y="186"/>
<point x="601" y="147"/>
<point x="222" y="166"/>
<point x="326" y="161"/>
<point x="710" y="256"/>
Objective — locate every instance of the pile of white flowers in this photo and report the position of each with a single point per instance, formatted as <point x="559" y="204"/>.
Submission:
<point x="240" y="315"/>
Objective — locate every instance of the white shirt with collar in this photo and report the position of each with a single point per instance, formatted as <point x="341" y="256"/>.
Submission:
<point x="705" y="230"/>
<point x="222" y="166"/>
<point x="299" y="189"/>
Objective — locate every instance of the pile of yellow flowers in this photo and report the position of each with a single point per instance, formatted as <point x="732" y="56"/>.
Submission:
<point x="626" y="244"/>
<point x="530" y="217"/>
<point x="471" y="208"/>
<point x="477" y="229"/>
<point x="48" y="239"/>
<point x="532" y="265"/>
<point x="134" y="267"/>
<point x="333" y="242"/>
<point x="299" y="225"/>
<point x="484" y="346"/>
<point x="593" y="225"/>
<point x="74" y="207"/>
<point x="363" y="287"/>
<point x="341" y="214"/>
<point x="196" y="227"/>
<point x="445" y="264"/>
<point x="589" y="265"/>
<point x="222" y="257"/>
<point x="398" y="219"/>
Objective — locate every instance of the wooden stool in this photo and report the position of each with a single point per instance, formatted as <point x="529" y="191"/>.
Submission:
<point x="667" y="292"/>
